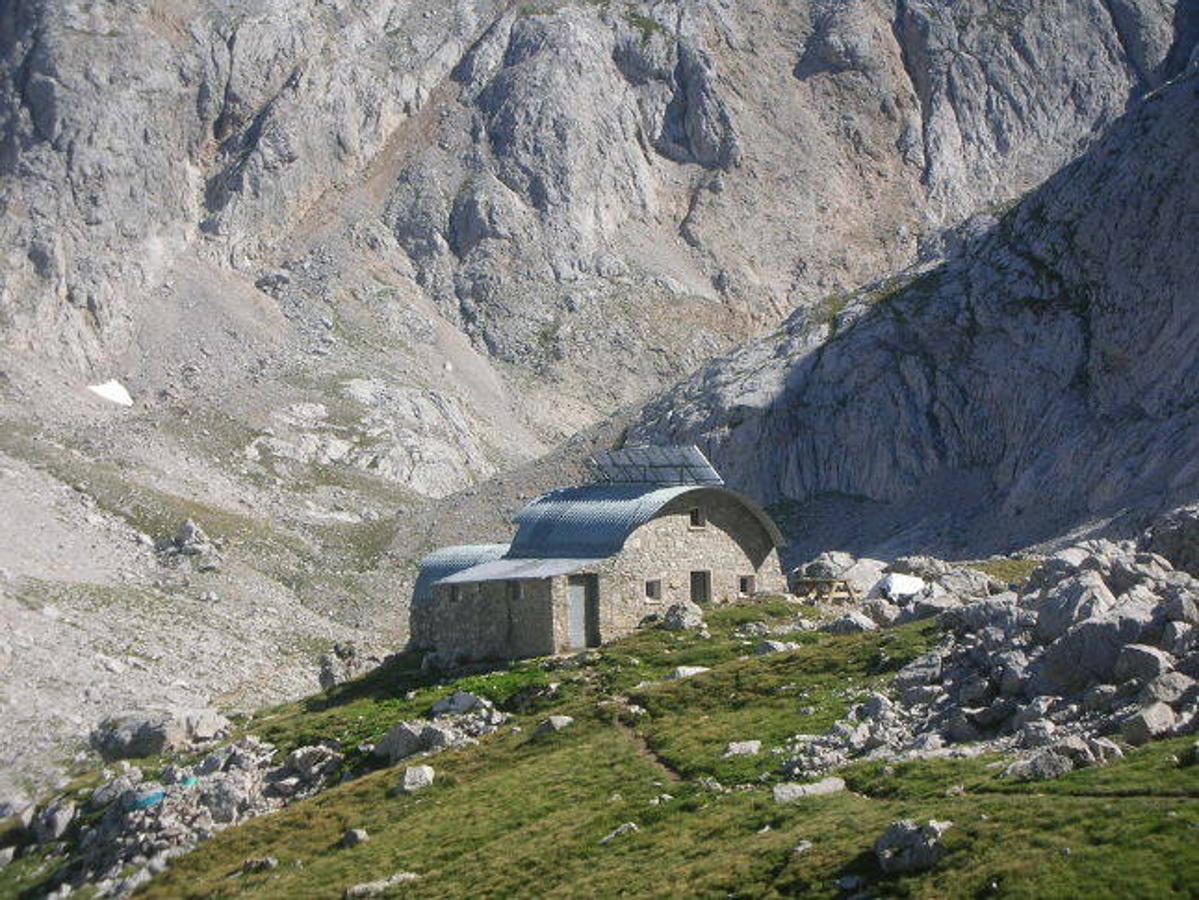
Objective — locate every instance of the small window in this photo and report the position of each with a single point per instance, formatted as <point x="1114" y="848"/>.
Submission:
<point x="455" y="593"/>
<point x="698" y="519"/>
<point x="746" y="585"/>
<point x="653" y="589"/>
<point x="516" y="590"/>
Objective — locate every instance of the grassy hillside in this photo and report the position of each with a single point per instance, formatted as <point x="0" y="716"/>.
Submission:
<point x="523" y="815"/>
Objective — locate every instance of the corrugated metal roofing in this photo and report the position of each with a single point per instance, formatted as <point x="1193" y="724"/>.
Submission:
<point x="591" y="521"/>
<point x="448" y="560"/>
<point x="594" y="521"/>
<point x="505" y="569"/>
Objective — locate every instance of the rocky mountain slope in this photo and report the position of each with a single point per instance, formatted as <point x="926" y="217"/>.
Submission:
<point x="351" y="258"/>
<point x="1044" y="376"/>
<point x="568" y="203"/>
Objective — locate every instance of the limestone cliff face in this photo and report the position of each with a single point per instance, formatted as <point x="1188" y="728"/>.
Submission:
<point x="1044" y="375"/>
<point x="576" y="202"/>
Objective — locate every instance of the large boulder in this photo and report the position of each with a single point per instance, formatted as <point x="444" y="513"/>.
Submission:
<point x="1149" y="722"/>
<point x="1176" y="537"/>
<point x="960" y="581"/>
<point x="827" y="565"/>
<point x="1001" y="611"/>
<point x="1142" y="662"/>
<point x="898" y="587"/>
<point x="416" y="778"/>
<point x="402" y="741"/>
<point x="458" y="703"/>
<point x="851" y="623"/>
<point x="1070" y="601"/>
<point x="54" y="821"/>
<point x="1087" y="653"/>
<point x="1040" y="766"/>
<point x="908" y="847"/>
<point x="1169" y="687"/>
<point x="863" y="575"/>
<point x="912" y="679"/>
<point x="133" y="735"/>
<point x="683" y="616"/>
<point x="1182" y="604"/>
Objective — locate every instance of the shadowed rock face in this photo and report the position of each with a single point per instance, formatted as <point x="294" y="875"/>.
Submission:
<point x="1046" y="374"/>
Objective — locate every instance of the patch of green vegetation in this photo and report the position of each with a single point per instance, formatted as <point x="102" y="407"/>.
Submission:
<point x="828" y="309"/>
<point x="1006" y="569"/>
<point x="361" y="545"/>
<point x="538" y="9"/>
<point x="35" y="593"/>
<point x="523" y="813"/>
<point x="769" y="699"/>
<point x="647" y="25"/>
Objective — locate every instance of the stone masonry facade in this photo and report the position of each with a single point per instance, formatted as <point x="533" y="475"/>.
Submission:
<point x="511" y="619"/>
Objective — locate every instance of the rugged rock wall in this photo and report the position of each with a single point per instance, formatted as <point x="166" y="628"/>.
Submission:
<point x="1045" y="375"/>
<point x="598" y="196"/>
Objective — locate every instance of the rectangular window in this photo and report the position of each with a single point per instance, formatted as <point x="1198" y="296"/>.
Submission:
<point x="516" y="590"/>
<point x="701" y="587"/>
<point x="746" y="583"/>
<point x="653" y="589"/>
<point x="698" y="519"/>
<point x="455" y="593"/>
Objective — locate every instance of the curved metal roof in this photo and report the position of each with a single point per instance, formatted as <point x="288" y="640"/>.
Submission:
<point x="448" y="560"/>
<point x="594" y="521"/>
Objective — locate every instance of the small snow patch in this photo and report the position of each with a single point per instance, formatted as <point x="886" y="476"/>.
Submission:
<point x="113" y="391"/>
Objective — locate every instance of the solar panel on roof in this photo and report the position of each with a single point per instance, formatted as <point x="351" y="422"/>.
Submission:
<point x="654" y="465"/>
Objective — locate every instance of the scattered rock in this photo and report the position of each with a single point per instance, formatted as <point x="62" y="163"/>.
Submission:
<point x="789" y="792"/>
<point x="313" y="763"/>
<point x="554" y="724"/>
<point x="1040" y="766"/>
<point x="458" y="703"/>
<point x="355" y="836"/>
<point x="262" y="864"/>
<point x="620" y="830"/>
<point x="742" y="748"/>
<point x="908" y="847"/>
<point x="767" y="647"/>
<point x="54" y="821"/>
<point x="687" y="672"/>
<point x="684" y="616"/>
<point x="382" y="886"/>
<point x="416" y="778"/>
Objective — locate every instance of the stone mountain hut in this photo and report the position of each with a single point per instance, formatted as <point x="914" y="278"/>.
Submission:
<point x="589" y="563"/>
